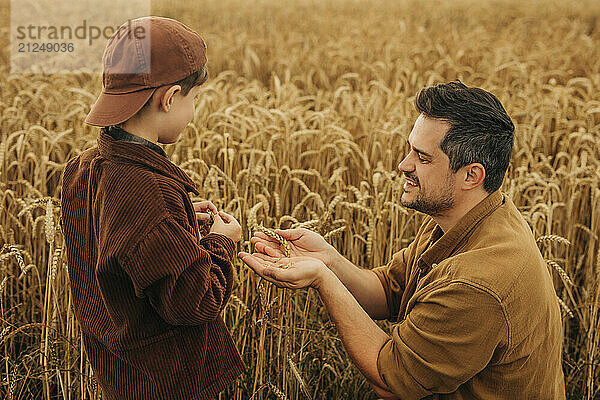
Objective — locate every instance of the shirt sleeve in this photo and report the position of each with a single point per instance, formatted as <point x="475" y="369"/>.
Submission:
<point x="393" y="280"/>
<point x="187" y="281"/>
<point x="449" y="335"/>
<point x="394" y="275"/>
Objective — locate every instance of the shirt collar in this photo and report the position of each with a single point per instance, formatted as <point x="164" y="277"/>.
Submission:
<point x="119" y="133"/>
<point x="139" y="153"/>
<point x="442" y="245"/>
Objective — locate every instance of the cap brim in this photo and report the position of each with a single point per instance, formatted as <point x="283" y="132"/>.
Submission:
<point x="112" y="109"/>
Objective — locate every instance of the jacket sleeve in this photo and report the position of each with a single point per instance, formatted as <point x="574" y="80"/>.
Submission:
<point x="187" y="281"/>
<point x="449" y="335"/>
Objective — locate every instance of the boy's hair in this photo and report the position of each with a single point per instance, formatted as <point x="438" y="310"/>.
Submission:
<point x="480" y="129"/>
<point x="195" y="79"/>
<point x="192" y="80"/>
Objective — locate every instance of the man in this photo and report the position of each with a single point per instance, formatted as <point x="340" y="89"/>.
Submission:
<point x="475" y="309"/>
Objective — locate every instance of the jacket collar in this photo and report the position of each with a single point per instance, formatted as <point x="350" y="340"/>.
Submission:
<point x="138" y="153"/>
<point x="442" y="245"/>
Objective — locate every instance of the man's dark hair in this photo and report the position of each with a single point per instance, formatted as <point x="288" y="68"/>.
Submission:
<point x="480" y="129"/>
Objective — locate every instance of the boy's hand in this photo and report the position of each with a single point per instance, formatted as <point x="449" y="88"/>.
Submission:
<point x="227" y="225"/>
<point x="201" y="208"/>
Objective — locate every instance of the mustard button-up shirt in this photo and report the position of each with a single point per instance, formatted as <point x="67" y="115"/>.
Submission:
<point x="476" y="312"/>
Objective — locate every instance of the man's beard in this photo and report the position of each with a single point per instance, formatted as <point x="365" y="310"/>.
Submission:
<point x="434" y="206"/>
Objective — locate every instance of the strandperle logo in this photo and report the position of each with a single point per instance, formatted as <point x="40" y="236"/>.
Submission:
<point x="70" y="36"/>
<point x="82" y="32"/>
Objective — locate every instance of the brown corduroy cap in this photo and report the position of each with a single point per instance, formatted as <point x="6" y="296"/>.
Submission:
<point x="142" y="55"/>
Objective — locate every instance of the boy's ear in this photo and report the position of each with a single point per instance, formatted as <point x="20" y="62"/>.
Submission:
<point x="166" y="100"/>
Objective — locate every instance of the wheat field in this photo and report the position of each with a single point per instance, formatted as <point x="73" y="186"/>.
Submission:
<point x="302" y="123"/>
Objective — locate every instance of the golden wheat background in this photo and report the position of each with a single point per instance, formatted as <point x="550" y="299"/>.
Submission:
<point x="303" y="122"/>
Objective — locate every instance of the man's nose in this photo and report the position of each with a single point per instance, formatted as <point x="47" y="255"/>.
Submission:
<point x="405" y="165"/>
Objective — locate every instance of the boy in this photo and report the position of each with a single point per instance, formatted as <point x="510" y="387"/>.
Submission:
<point x="147" y="290"/>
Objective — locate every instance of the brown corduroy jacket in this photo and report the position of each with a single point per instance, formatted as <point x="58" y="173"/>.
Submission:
<point x="476" y="311"/>
<point x="147" y="290"/>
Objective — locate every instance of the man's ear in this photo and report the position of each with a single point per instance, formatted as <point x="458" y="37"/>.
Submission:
<point x="166" y="100"/>
<point x="474" y="176"/>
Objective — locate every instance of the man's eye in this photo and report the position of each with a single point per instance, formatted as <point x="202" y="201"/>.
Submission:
<point x="422" y="160"/>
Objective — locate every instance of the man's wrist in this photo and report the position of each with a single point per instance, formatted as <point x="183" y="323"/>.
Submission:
<point x="332" y="258"/>
<point x="325" y="278"/>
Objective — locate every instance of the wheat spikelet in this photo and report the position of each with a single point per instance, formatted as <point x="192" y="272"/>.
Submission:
<point x="334" y="232"/>
<point x="4" y="333"/>
<point x="565" y="307"/>
<point x="27" y="212"/>
<point x="553" y="238"/>
<point x="322" y="226"/>
<point x="301" y="184"/>
<point x="50" y="231"/>
<point x="563" y="274"/>
<point x="311" y="224"/>
<point x="2" y="156"/>
<point x="357" y="193"/>
<point x="370" y="235"/>
<point x="358" y="207"/>
<point x="12" y="386"/>
<point x="337" y="175"/>
<point x="297" y="209"/>
<point x="283" y="242"/>
<point x="26" y="270"/>
<point x="34" y="191"/>
<point x="191" y="161"/>
<point x="587" y="230"/>
<point x="286" y="218"/>
<point x="3" y="285"/>
<point x="277" y="204"/>
<point x="252" y="219"/>
<point x="278" y="393"/>
<point x="239" y="302"/>
<point x="16" y="253"/>
<point x="55" y="257"/>
<point x="28" y="208"/>
<point x="6" y="256"/>
<point x="37" y="225"/>
<point x="298" y="377"/>
<point x="377" y="179"/>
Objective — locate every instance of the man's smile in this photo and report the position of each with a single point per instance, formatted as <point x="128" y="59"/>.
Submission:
<point x="410" y="182"/>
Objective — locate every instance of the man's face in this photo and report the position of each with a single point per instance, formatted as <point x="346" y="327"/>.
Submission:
<point x="430" y="183"/>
